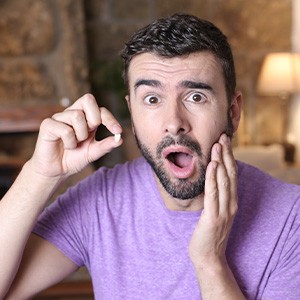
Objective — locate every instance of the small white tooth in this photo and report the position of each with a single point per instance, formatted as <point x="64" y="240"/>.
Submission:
<point x="117" y="137"/>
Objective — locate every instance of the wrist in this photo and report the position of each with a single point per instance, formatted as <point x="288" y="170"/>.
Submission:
<point x="34" y="172"/>
<point x="36" y="185"/>
<point x="211" y="265"/>
<point x="216" y="280"/>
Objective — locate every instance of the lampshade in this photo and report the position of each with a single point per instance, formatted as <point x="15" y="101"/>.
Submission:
<point x="280" y="74"/>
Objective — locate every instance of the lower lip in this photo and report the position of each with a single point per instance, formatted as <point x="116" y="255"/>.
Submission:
<point x="182" y="173"/>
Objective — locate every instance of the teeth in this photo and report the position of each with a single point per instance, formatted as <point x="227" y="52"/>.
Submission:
<point x="117" y="137"/>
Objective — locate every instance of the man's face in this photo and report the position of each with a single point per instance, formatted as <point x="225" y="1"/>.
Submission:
<point x="179" y="110"/>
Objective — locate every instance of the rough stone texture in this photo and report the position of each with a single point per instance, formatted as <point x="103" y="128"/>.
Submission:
<point x="94" y="8"/>
<point x="26" y="27"/>
<point x="42" y="57"/>
<point x="25" y="82"/>
<point x="255" y="26"/>
<point x="199" y="8"/>
<point x="74" y="59"/>
<point x="130" y="10"/>
<point x="106" y="39"/>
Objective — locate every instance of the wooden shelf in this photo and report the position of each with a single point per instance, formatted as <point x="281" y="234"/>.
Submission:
<point x="25" y="118"/>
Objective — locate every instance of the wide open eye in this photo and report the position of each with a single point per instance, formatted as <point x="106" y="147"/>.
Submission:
<point x="152" y="100"/>
<point x="196" y="97"/>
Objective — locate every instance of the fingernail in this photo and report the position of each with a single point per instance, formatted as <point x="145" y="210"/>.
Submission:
<point x="225" y="139"/>
<point x="218" y="148"/>
<point x="116" y="129"/>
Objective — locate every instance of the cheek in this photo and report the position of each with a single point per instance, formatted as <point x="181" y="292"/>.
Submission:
<point x="145" y="133"/>
<point x="211" y="128"/>
<point x="210" y="134"/>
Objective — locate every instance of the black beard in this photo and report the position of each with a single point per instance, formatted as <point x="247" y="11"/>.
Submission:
<point x="183" y="188"/>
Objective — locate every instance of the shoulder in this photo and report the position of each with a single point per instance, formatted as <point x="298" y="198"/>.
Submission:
<point x="266" y="198"/>
<point x="268" y="207"/>
<point x="265" y="236"/>
<point x="255" y="181"/>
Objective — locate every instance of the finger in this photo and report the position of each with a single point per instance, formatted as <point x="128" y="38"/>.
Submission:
<point x="89" y="106"/>
<point x="53" y="131"/>
<point x="222" y="180"/>
<point x="109" y="121"/>
<point x="95" y="115"/>
<point x="211" y="200"/>
<point x="76" y="120"/>
<point x="227" y="156"/>
<point x="231" y="169"/>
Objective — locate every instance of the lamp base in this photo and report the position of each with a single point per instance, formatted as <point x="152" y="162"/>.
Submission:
<point x="289" y="152"/>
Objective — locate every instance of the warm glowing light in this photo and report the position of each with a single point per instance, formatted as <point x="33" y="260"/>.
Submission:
<point x="280" y="74"/>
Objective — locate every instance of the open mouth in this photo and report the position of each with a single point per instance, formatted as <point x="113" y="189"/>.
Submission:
<point x="180" y="159"/>
<point x="180" y="162"/>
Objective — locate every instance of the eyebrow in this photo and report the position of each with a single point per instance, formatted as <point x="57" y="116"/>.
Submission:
<point x="148" y="82"/>
<point x="183" y="84"/>
<point x="195" y="85"/>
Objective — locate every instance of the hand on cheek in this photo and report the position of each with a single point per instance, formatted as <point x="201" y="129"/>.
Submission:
<point x="209" y="241"/>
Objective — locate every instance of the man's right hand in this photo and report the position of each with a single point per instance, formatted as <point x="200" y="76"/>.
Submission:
<point x="65" y="145"/>
<point x="66" y="141"/>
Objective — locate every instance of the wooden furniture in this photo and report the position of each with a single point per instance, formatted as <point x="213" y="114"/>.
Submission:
<point x="68" y="290"/>
<point x="25" y="118"/>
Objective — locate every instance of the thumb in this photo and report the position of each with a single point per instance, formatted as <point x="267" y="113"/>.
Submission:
<point x="97" y="149"/>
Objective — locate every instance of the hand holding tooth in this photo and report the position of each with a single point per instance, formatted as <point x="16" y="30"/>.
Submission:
<point x="66" y="142"/>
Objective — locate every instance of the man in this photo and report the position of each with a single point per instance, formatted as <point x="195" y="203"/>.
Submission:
<point x="165" y="226"/>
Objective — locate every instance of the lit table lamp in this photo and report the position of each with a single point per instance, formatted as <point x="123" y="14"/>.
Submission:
<point x="280" y="76"/>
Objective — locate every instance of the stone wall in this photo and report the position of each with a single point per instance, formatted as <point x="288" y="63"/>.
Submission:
<point x="42" y="51"/>
<point x="42" y="59"/>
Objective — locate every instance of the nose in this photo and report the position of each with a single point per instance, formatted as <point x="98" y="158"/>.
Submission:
<point x="176" y="120"/>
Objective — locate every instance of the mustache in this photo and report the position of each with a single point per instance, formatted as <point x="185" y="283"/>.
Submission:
<point x="181" y="140"/>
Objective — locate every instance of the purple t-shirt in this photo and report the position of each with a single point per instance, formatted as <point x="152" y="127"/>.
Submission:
<point x="116" y="224"/>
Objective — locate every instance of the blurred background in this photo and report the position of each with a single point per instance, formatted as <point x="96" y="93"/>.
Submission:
<point x="52" y="52"/>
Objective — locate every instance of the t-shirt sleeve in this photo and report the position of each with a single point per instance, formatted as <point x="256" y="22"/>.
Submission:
<point x="284" y="281"/>
<point x="65" y="223"/>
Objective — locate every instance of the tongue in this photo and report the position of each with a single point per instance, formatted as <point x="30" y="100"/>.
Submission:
<point x="182" y="159"/>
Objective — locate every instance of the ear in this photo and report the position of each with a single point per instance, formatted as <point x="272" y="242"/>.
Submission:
<point x="128" y="102"/>
<point x="127" y="98"/>
<point x="236" y="109"/>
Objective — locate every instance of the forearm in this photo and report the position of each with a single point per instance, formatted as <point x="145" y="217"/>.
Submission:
<point x="216" y="281"/>
<point x="19" y="210"/>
